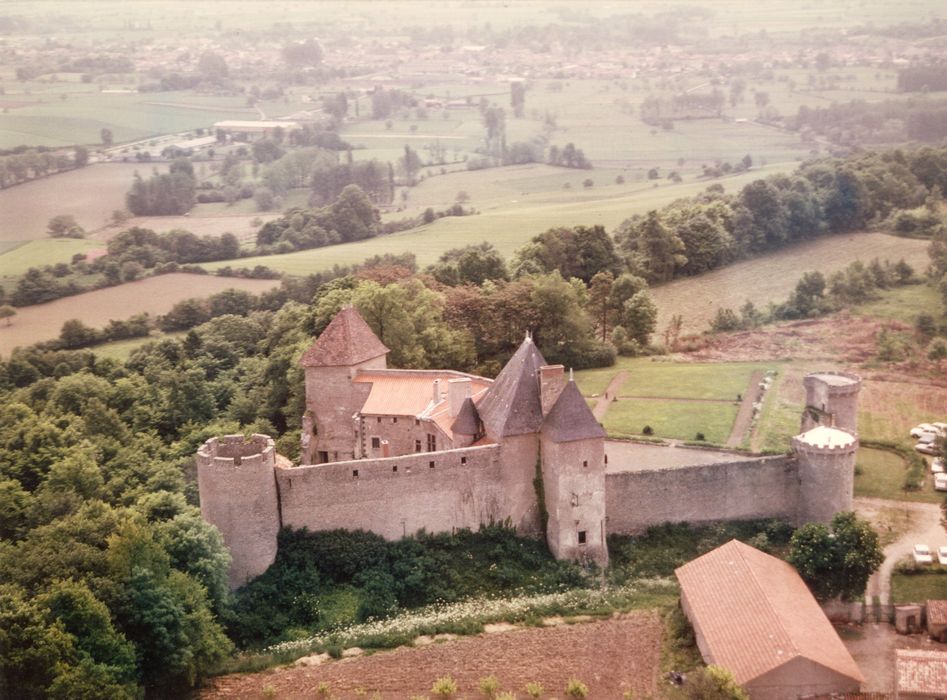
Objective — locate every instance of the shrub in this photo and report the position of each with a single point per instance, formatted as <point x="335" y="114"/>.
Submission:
<point x="534" y="690"/>
<point x="647" y="430"/>
<point x="489" y="686"/>
<point x="700" y="437"/>
<point x="576" y="688"/>
<point x="445" y="687"/>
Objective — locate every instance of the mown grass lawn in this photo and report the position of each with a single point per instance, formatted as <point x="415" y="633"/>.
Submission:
<point x="685" y="380"/>
<point x="668" y="418"/>
<point x="917" y="588"/>
<point x="880" y="474"/>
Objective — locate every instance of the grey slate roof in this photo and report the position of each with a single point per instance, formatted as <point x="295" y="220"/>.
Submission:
<point x="512" y="406"/>
<point x="467" y="421"/>
<point x="571" y="418"/>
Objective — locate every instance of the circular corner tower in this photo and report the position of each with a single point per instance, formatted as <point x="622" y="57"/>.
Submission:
<point x="236" y="479"/>
<point x="832" y="400"/>
<point x="825" y="458"/>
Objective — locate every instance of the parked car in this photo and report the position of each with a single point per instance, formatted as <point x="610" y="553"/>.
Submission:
<point x="937" y="466"/>
<point x="942" y="556"/>
<point x="927" y="448"/>
<point x="940" y="482"/>
<point x="927" y="438"/>
<point x="942" y="427"/>
<point x="922" y="554"/>
<point x="922" y="429"/>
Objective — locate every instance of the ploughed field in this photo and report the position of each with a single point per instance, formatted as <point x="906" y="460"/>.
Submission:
<point x="153" y="295"/>
<point x="610" y="656"/>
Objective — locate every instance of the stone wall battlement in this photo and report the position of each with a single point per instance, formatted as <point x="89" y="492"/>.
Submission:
<point x="801" y="446"/>
<point x="835" y="389"/>
<point x="230" y="451"/>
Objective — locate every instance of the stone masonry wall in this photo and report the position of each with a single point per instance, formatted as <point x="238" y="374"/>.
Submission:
<point x="741" y="490"/>
<point x="237" y="488"/>
<point x="397" y="496"/>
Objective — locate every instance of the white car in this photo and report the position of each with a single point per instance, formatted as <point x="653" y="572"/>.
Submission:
<point x="927" y="438"/>
<point x="942" y="427"/>
<point x="927" y="448"/>
<point x="937" y="466"/>
<point x="922" y="554"/>
<point x="940" y="482"/>
<point x="942" y="556"/>
<point x="922" y="429"/>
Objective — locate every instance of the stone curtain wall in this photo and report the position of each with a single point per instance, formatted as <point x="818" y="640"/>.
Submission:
<point x="766" y="487"/>
<point x="397" y="496"/>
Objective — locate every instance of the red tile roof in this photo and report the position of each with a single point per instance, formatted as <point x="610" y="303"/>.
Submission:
<point x="921" y="672"/>
<point x="411" y="393"/>
<point x="937" y="612"/>
<point x="346" y="341"/>
<point x="755" y="614"/>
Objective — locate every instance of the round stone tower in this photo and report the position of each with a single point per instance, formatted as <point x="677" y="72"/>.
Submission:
<point x="832" y="400"/>
<point x="236" y="479"/>
<point x="826" y="462"/>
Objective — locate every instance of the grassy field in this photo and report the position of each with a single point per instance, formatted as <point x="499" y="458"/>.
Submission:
<point x="508" y="227"/>
<point x="880" y="474"/>
<point x="888" y="410"/>
<point x="681" y="380"/>
<point x="904" y="304"/>
<point x="49" y="251"/>
<point x="153" y="295"/>
<point x="669" y="418"/>
<point x="771" y="278"/>
<point x="121" y="349"/>
<point x="918" y="588"/>
<point x="676" y="399"/>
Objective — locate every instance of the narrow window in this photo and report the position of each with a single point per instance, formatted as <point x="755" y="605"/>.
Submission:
<point x="376" y="442"/>
<point x="394" y="467"/>
<point x="431" y="443"/>
<point x="394" y="420"/>
<point x="378" y="419"/>
<point x="581" y="536"/>
<point x="417" y="445"/>
<point x="323" y="456"/>
<point x="606" y="459"/>
<point x="417" y="421"/>
<point x="430" y="465"/>
<point x="355" y="473"/>
<point x="407" y="470"/>
<point x="585" y="462"/>
<point x="463" y="460"/>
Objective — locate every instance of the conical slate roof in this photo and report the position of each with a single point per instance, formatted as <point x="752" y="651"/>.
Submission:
<point x="512" y="405"/>
<point x="346" y="341"/>
<point x="467" y="421"/>
<point x="571" y="419"/>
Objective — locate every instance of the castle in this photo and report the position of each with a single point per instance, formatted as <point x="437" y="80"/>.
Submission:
<point x="397" y="451"/>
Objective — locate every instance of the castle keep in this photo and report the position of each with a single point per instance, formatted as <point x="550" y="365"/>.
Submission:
<point x="396" y="451"/>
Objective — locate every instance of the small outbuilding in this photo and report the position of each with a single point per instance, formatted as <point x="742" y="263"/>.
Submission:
<point x="937" y="619"/>
<point x="921" y="674"/>
<point x="753" y="615"/>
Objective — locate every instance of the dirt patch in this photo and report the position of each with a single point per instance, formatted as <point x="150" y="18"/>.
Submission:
<point x="153" y="295"/>
<point x="609" y="656"/>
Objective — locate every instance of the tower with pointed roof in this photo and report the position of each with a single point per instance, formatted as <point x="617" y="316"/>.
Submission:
<point x="346" y="346"/>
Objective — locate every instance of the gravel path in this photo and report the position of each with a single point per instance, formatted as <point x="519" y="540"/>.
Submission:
<point x="925" y="528"/>
<point x="745" y="415"/>
<point x="611" y="391"/>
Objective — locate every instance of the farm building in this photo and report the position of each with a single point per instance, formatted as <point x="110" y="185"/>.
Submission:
<point x="937" y="619"/>
<point x="254" y="129"/>
<point x="753" y="615"/>
<point x="920" y="673"/>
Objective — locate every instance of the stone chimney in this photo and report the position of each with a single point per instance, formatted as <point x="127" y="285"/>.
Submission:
<point x="551" y="384"/>
<point x="436" y="394"/>
<point x="457" y="391"/>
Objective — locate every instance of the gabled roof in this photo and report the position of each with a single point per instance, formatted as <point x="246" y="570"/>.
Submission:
<point x="346" y="341"/>
<point x="570" y="418"/>
<point x="756" y="614"/>
<point x="921" y="672"/>
<point x="512" y="405"/>
<point x="467" y="421"/>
